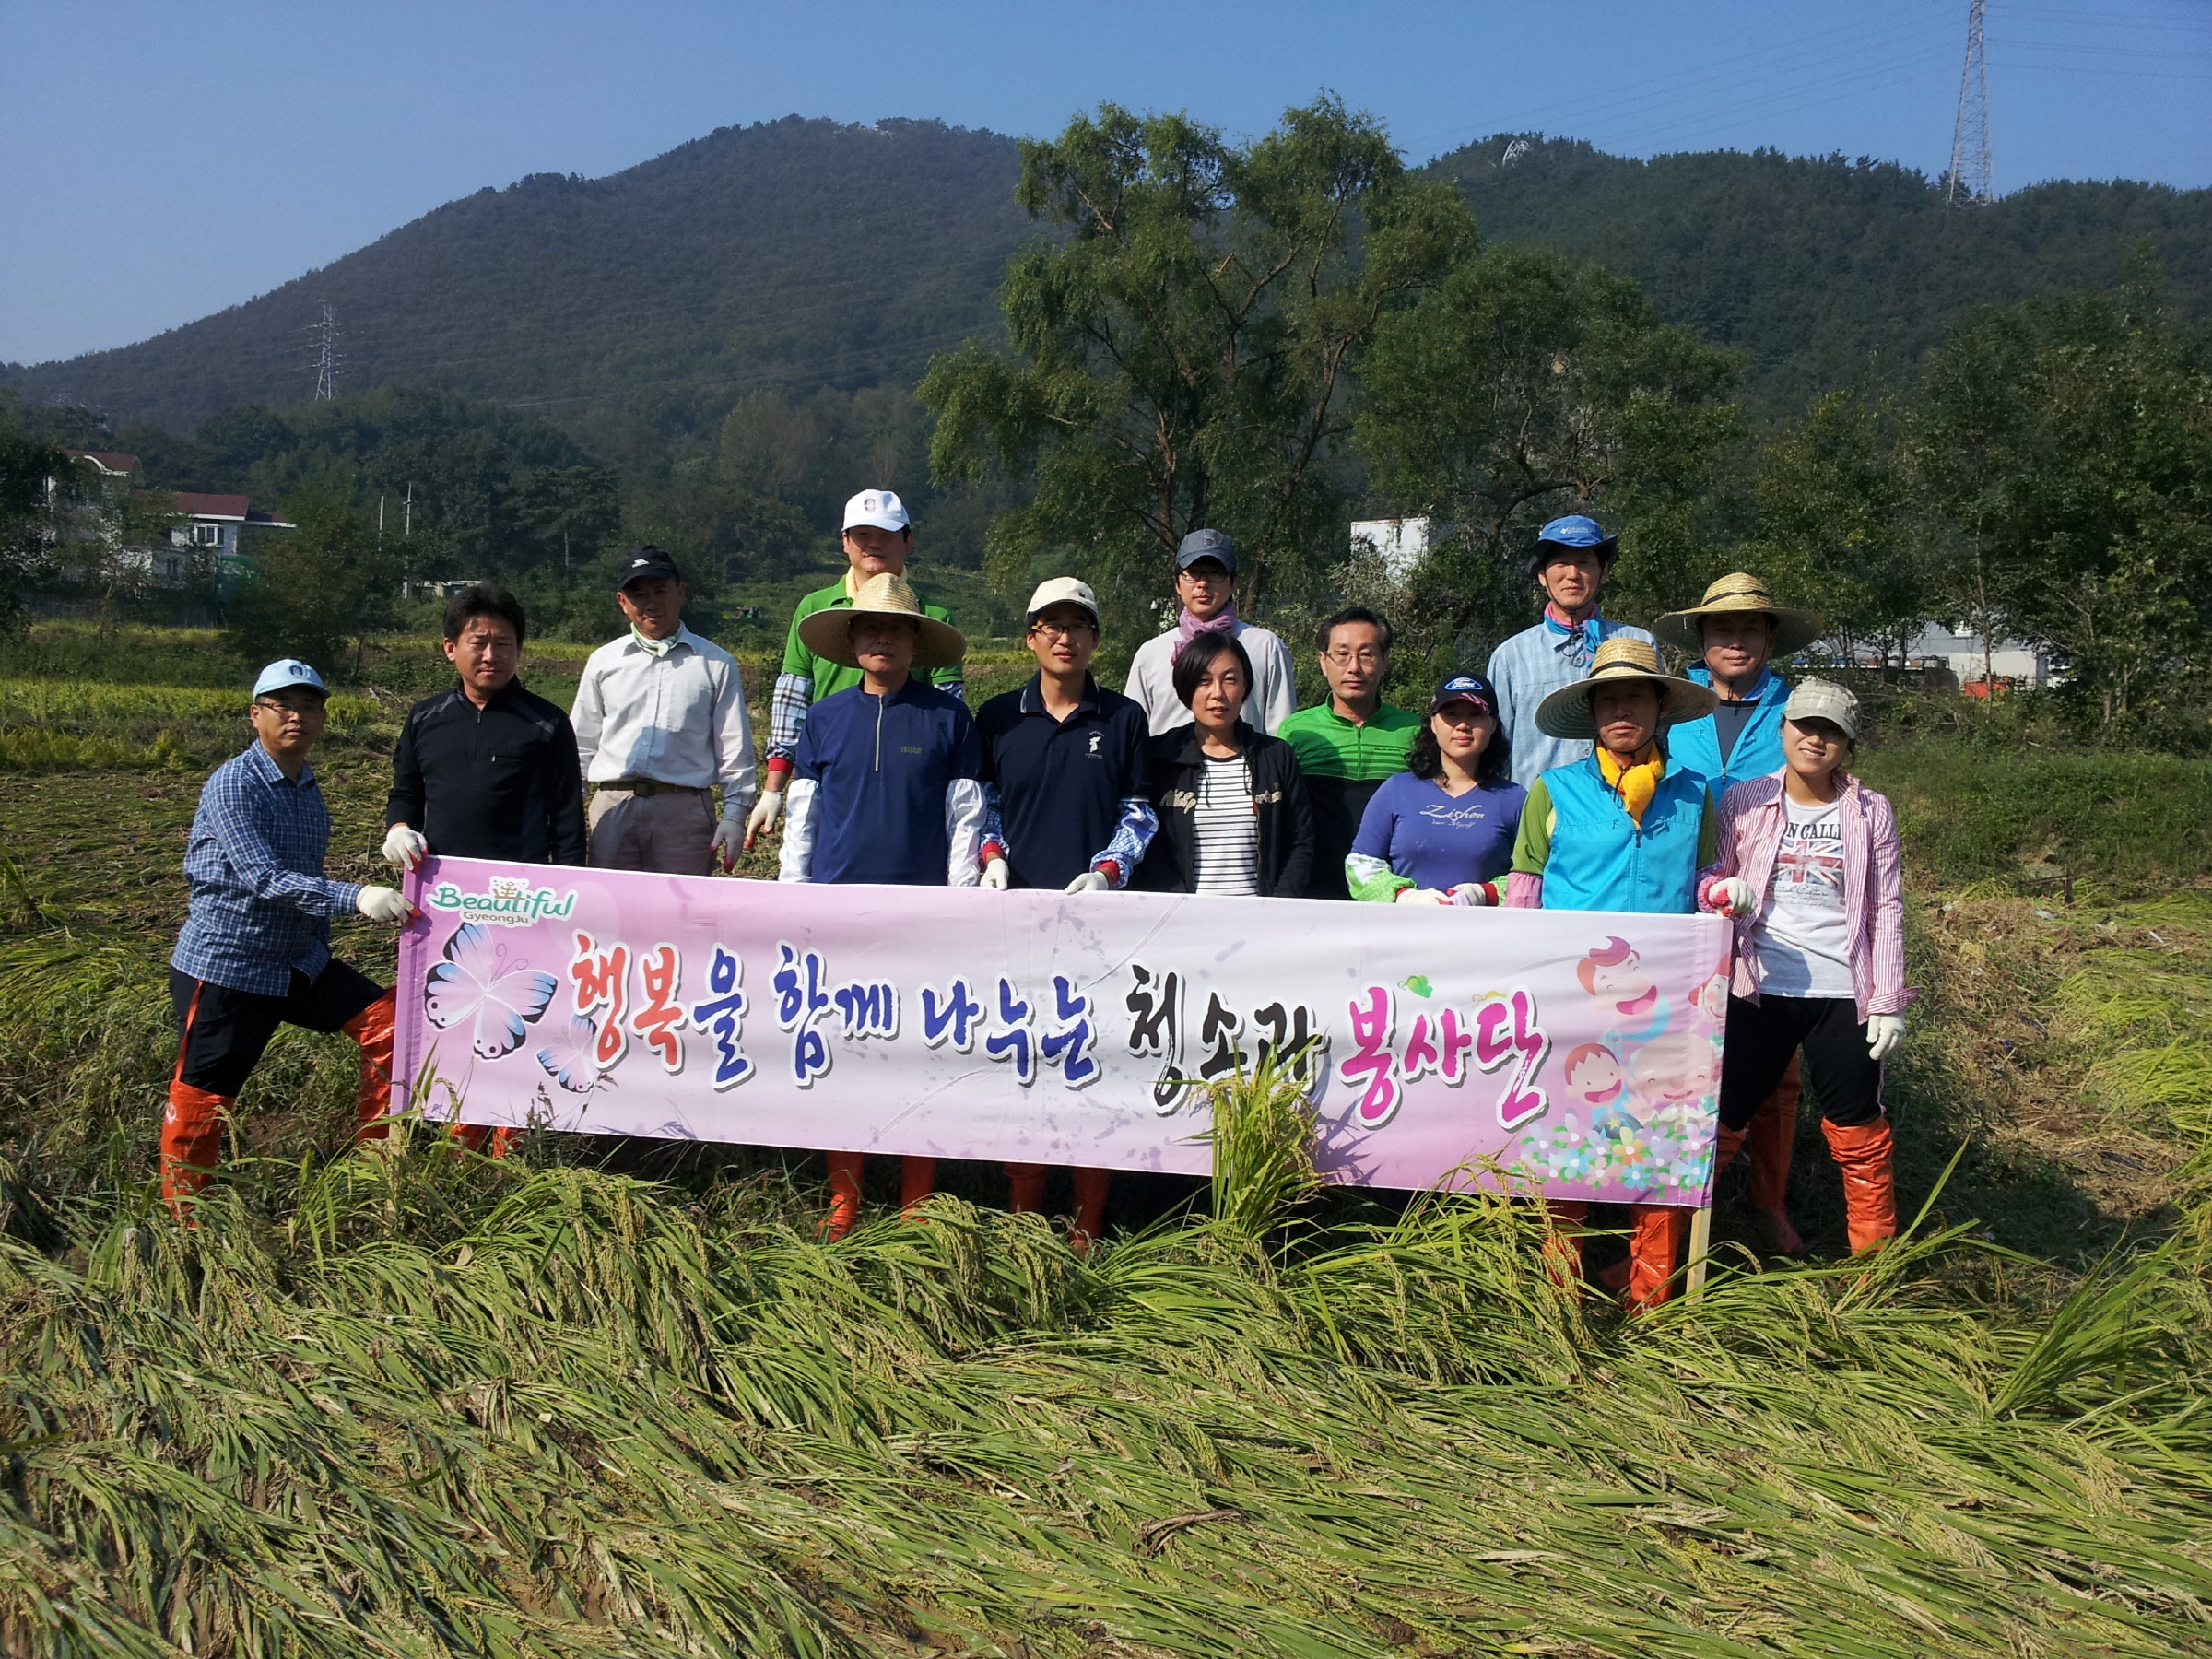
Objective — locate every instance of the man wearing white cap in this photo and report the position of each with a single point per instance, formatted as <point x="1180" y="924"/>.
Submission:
<point x="660" y="720"/>
<point x="254" y="952"/>
<point x="880" y="539"/>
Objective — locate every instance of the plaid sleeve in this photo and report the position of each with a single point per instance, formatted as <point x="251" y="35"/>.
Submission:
<point x="246" y="845"/>
<point x="787" y="709"/>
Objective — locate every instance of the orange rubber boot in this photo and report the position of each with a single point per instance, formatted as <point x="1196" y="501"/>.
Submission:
<point x="1563" y="1249"/>
<point x="1655" y="1244"/>
<point x="372" y="1027"/>
<point x="917" y="1180"/>
<point x="1773" y="1136"/>
<point x="1863" y="1153"/>
<point x="483" y="1138"/>
<point x="192" y="1140"/>
<point x="1091" y="1186"/>
<point x="1726" y="1143"/>
<point x="845" y="1170"/>
<point x="1025" y="1188"/>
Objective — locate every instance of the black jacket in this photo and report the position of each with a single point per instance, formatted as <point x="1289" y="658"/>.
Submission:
<point x="500" y="782"/>
<point x="1279" y="792"/>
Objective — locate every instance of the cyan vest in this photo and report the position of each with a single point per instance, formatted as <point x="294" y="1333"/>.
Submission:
<point x="1602" y="861"/>
<point x="1695" y="745"/>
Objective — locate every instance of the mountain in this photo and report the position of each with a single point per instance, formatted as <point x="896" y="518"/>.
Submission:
<point x="1825" y="272"/>
<point x="794" y="256"/>
<point x="788" y="254"/>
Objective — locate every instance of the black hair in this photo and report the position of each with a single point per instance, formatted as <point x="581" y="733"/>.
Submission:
<point x="1353" y="613"/>
<point x="1492" y="767"/>
<point x="486" y="599"/>
<point x="1196" y="660"/>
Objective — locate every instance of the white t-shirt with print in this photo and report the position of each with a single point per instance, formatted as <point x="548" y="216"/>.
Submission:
<point x="1803" y="943"/>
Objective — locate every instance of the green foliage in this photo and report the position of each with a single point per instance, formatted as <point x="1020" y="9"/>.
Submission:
<point x="314" y="590"/>
<point x="27" y="513"/>
<point x="1181" y="353"/>
<point x="1522" y="388"/>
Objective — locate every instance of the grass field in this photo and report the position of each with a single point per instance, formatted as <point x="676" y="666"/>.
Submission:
<point x="415" y="1405"/>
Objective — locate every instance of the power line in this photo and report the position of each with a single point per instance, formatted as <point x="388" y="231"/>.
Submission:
<point x="323" y="351"/>
<point x="1972" y="177"/>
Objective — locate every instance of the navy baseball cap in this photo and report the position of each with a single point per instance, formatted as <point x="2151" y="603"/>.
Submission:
<point x="1576" y="530"/>
<point x="641" y="564"/>
<point x="1207" y="544"/>
<point x="1466" y="688"/>
<point x="285" y="673"/>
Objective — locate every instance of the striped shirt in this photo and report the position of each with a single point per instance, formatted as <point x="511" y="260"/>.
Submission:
<point x="1228" y="830"/>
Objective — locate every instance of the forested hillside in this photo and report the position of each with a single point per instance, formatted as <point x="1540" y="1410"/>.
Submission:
<point x="793" y="254"/>
<point x="1827" y="273"/>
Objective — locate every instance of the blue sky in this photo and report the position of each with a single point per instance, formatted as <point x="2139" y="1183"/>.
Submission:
<point x="162" y="162"/>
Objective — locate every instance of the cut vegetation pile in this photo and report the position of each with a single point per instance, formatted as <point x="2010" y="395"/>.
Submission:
<point x="425" y="1405"/>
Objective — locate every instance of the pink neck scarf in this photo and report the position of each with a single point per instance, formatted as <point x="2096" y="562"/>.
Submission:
<point x="1189" y="627"/>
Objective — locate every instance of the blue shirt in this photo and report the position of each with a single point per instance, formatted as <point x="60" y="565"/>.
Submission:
<point x="1601" y="859"/>
<point x="1068" y="793"/>
<point x="1756" y="753"/>
<point x="881" y="765"/>
<point x="1438" y="839"/>
<point x="1529" y="667"/>
<point x="261" y="905"/>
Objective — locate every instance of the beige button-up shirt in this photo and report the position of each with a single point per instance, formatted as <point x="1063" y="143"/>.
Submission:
<point x="675" y="716"/>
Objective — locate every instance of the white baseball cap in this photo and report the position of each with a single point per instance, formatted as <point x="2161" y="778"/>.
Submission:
<point x="1824" y="700"/>
<point x="876" y="507"/>
<point x="285" y="673"/>
<point x="1064" y="589"/>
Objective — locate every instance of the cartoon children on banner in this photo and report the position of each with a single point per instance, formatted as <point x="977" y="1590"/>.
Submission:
<point x="1639" y="1104"/>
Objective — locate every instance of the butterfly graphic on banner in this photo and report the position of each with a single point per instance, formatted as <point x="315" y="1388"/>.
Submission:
<point x="476" y="985"/>
<point x="570" y="1059"/>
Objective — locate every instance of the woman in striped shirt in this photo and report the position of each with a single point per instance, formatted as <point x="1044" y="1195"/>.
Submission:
<point x="1232" y="801"/>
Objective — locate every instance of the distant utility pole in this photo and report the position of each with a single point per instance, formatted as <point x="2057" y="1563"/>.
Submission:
<point x="322" y="352"/>
<point x="1972" y="179"/>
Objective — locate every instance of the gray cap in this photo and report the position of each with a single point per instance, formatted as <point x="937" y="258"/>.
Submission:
<point x="1824" y="700"/>
<point x="1207" y="544"/>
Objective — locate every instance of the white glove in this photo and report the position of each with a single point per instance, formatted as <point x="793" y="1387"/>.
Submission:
<point x="727" y="838"/>
<point x="996" y="876"/>
<point x="385" y="904"/>
<point x="404" y="846"/>
<point x="1885" y="1035"/>
<point x="1478" y="893"/>
<point x="1090" y="881"/>
<point x="1735" y="896"/>
<point x="765" y="812"/>
<point x="1420" y="896"/>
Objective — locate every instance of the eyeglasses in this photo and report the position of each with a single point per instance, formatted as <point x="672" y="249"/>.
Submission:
<point x="1366" y="657"/>
<point x="1062" y="630"/>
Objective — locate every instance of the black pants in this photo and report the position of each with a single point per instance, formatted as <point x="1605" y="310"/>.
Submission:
<point x="221" y="1033"/>
<point x="1763" y="1035"/>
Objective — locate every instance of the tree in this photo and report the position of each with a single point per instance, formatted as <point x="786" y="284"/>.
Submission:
<point x="35" y="479"/>
<point x="315" y="589"/>
<point x="2067" y="447"/>
<point x="1182" y="352"/>
<point x="1522" y="388"/>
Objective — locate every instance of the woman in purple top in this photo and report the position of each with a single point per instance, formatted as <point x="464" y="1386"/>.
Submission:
<point x="1441" y="831"/>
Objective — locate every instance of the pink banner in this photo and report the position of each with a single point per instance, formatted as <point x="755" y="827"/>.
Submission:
<point x="1576" y="1050"/>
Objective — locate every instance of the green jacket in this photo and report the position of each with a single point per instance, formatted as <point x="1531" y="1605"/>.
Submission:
<point x="1344" y="765"/>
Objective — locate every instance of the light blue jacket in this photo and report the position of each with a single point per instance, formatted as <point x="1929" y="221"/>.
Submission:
<point x="1695" y="744"/>
<point x="1529" y="667"/>
<point x="1601" y="859"/>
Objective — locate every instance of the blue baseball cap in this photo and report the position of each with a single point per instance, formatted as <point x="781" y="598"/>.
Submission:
<point x="1207" y="544"/>
<point x="1466" y="688"/>
<point x="1575" y="530"/>
<point x="285" y="673"/>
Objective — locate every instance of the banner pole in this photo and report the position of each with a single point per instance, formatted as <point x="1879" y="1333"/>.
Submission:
<point x="1701" y="1246"/>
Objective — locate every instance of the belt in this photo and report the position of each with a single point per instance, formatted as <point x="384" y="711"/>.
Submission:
<point x="646" y="788"/>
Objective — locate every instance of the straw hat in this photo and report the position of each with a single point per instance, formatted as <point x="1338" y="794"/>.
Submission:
<point x="1566" y="712"/>
<point x="1733" y="594"/>
<point x="828" y="633"/>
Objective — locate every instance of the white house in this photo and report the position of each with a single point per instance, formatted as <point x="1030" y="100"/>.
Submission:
<point x="1403" y="542"/>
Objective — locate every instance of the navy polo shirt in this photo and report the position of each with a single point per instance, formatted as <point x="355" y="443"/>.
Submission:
<point x="882" y="765"/>
<point x="1061" y="782"/>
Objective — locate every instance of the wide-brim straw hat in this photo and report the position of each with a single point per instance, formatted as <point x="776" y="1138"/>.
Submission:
<point x="828" y="633"/>
<point x="1566" y="712"/>
<point x="1732" y="596"/>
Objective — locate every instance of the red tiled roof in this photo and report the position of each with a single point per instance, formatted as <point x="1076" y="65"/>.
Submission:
<point x="212" y="506"/>
<point x="113" y="460"/>
<point x="274" y="520"/>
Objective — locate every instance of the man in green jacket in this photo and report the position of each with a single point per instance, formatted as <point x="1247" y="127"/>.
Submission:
<point x="1348" y="745"/>
<point x="879" y="537"/>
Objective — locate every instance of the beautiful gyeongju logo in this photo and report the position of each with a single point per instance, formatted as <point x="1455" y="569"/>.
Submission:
<point x="513" y="902"/>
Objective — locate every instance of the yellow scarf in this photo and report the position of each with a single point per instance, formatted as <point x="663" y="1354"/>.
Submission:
<point x="1636" y="783"/>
